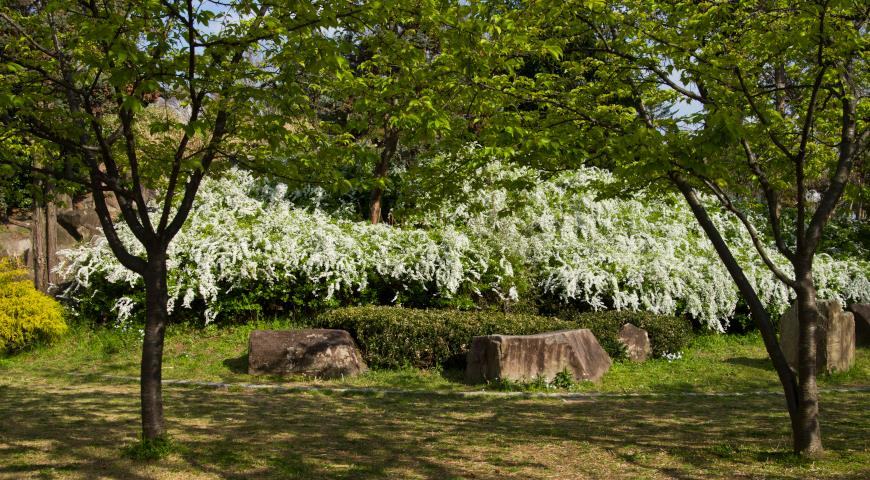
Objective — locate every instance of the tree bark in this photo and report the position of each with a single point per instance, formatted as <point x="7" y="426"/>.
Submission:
<point x="51" y="227"/>
<point x="793" y="397"/>
<point x="37" y="246"/>
<point x="156" y="315"/>
<point x="43" y="251"/>
<point x="808" y="439"/>
<point x="391" y="143"/>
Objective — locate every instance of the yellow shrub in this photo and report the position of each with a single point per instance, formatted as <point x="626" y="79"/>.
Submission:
<point x="26" y="315"/>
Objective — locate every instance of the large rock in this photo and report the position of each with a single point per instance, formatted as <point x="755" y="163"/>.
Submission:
<point x="861" y="313"/>
<point x="14" y="241"/>
<point x="527" y="357"/>
<point x="317" y="352"/>
<point x="636" y="342"/>
<point x="81" y="224"/>
<point x="835" y="337"/>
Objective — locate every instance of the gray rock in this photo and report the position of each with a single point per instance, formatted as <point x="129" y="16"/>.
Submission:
<point x="64" y="239"/>
<point x="835" y="337"/>
<point x="14" y="241"/>
<point x="523" y="358"/>
<point x="636" y="341"/>
<point x="861" y="313"/>
<point x="316" y="352"/>
<point x="81" y="224"/>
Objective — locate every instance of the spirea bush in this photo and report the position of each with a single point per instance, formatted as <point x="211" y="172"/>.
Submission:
<point x="632" y="253"/>
<point x="26" y="315"/>
<point x="511" y="233"/>
<point x="245" y="243"/>
<point x="395" y="336"/>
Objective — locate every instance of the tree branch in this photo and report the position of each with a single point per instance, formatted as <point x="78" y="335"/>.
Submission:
<point x="772" y="200"/>
<point x="726" y="202"/>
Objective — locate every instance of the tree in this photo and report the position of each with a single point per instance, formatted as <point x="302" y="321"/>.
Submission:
<point x="777" y="121"/>
<point x="86" y="91"/>
<point x="400" y="98"/>
<point x="43" y="225"/>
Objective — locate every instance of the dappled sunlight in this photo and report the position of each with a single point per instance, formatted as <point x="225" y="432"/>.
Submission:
<point x="76" y="430"/>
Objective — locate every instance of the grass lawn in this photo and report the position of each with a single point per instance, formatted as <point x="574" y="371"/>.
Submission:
<point x="53" y="425"/>
<point x="713" y="363"/>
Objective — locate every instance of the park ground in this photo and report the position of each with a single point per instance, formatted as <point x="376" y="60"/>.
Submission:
<point x="68" y="410"/>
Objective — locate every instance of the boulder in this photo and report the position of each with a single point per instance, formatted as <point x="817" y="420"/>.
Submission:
<point x="861" y="313"/>
<point x="14" y="241"/>
<point x="523" y="358"/>
<point x="316" y="352"/>
<point x="81" y="224"/>
<point x="64" y="239"/>
<point x="636" y="342"/>
<point x="835" y="337"/>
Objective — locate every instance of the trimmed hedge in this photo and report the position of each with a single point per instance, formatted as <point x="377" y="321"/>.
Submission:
<point x="394" y="336"/>
<point x="26" y="315"/>
<point x="667" y="334"/>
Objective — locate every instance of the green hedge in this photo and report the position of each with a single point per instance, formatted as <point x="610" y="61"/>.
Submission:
<point x="667" y="334"/>
<point x="394" y="336"/>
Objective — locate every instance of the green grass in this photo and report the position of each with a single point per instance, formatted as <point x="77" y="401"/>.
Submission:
<point x="149" y="449"/>
<point x="718" y="363"/>
<point x="61" y="426"/>
<point x="712" y="363"/>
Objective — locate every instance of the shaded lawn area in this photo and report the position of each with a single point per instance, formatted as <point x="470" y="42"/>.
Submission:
<point x="58" y="428"/>
<point x="712" y="363"/>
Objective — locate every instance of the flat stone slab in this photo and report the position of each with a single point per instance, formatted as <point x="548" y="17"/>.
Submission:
<point x="835" y="337"/>
<point x="526" y="357"/>
<point x="636" y="341"/>
<point x="316" y="352"/>
<point x="861" y="313"/>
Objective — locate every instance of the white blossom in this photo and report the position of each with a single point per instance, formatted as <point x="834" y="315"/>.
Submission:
<point x="631" y="253"/>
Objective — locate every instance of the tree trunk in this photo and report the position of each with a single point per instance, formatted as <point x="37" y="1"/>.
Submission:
<point x="43" y="234"/>
<point x="758" y="312"/>
<point x="37" y="246"/>
<point x="156" y="315"/>
<point x="375" y="205"/>
<point x="808" y="438"/>
<point x="391" y="142"/>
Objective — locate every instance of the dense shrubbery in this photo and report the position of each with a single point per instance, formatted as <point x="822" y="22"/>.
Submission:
<point x="630" y="253"/>
<point x="667" y="334"/>
<point x="395" y="336"/>
<point x="247" y="247"/>
<point x="244" y="237"/>
<point x="26" y="315"/>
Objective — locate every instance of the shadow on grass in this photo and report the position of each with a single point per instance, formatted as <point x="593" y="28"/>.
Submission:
<point x="238" y="364"/>
<point x="759" y="363"/>
<point x="267" y="435"/>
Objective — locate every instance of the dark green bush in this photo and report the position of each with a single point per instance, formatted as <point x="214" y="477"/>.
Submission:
<point x="667" y="334"/>
<point x="394" y="336"/>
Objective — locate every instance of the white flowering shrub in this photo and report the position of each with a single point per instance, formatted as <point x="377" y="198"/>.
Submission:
<point x="244" y="238"/>
<point x="248" y="243"/>
<point x="635" y="253"/>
